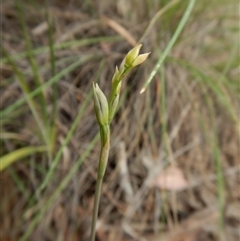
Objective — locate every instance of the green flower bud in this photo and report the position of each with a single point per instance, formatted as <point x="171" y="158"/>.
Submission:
<point x="132" y="55"/>
<point x="100" y="105"/>
<point x="116" y="76"/>
<point x="132" y="59"/>
<point x="140" y="59"/>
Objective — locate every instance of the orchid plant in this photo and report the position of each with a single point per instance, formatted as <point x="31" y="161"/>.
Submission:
<point x="105" y="110"/>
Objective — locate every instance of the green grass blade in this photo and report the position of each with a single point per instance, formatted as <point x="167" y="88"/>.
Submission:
<point x="51" y="41"/>
<point x="53" y="126"/>
<point x="170" y="44"/>
<point x="32" y="61"/>
<point x="234" y="53"/>
<point x="212" y="139"/>
<point x="18" y="182"/>
<point x="220" y="186"/>
<point x="151" y="132"/>
<point x="18" y="154"/>
<point x="163" y="108"/>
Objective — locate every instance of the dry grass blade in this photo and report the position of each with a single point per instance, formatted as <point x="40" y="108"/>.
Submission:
<point x="120" y="30"/>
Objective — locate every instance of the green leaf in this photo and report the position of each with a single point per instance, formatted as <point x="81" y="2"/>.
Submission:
<point x="16" y="155"/>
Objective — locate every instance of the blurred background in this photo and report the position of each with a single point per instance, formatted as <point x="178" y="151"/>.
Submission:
<point x="173" y="172"/>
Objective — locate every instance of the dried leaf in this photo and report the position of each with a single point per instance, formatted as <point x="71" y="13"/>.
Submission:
<point x="172" y="179"/>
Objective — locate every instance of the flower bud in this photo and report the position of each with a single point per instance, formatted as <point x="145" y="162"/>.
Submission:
<point x="132" y="59"/>
<point x="116" y="76"/>
<point x="140" y="59"/>
<point x="132" y="55"/>
<point x="100" y="105"/>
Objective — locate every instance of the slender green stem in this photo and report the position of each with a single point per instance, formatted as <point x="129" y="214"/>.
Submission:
<point x="113" y="93"/>
<point x="101" y="171"/>
<point x="96" y="207"/>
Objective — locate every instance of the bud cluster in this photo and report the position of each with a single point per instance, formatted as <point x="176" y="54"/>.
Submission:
<point x="104" y="109"/>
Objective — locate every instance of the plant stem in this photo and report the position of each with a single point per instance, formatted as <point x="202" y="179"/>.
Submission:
<point x="105" y="145"/>
<point x="104" y="110"/>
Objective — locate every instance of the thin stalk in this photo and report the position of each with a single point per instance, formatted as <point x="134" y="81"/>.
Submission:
<point x="101" y="171"/>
